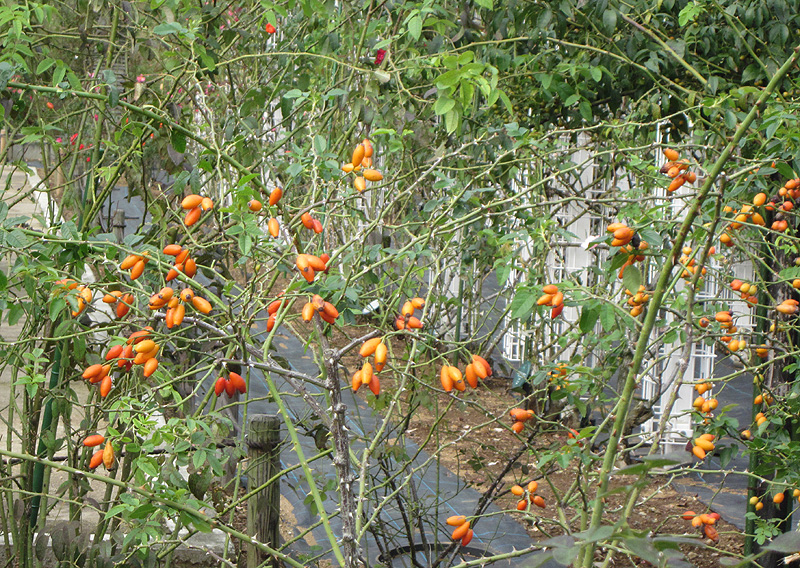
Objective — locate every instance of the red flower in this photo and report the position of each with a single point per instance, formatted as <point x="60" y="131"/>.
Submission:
<point x="270" y="29"/>
<point x="379" y="56"/>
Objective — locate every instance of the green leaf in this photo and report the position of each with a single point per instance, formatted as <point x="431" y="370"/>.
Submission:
<point x="448" y="79"/>
<point x="415" y="27"/>
<point x="451" y="120"/>
<point x="785" y="170"/>
<point x="178" y="140"/>
<point x="608" y="317"/>
<point x="320" y="144"/>
<point x="589" y="317"/>
<point x="610" y="20"/>
<point x="488" y="4"/>
<point x="59" y="73"/>
<point x="502" y="271"/>
<point x="70" y="231"/>
<point x="522" y="305"/>
<point x="56" y="306"/>
<point x="167" y="29"/>
<point x="15" y="313"/>
<point x="506" y="101"/>
<point x="443" y="105"/>
<point x="597" y="73"/>
<point x="198" y="459"/>
<point x="44" y="65"/>
<point x="772" y="127"/>
<point x="652" y="237"/>
<point x="632" y="278"/>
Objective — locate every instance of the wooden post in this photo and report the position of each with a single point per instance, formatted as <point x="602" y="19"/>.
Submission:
<point x="263" y="508"/>
<point x="118" y="224"/>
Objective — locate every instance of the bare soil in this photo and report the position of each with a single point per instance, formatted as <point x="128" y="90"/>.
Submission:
<point x="477" y="447"/>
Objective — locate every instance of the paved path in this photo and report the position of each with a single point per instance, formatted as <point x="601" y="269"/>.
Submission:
<point x="726" y="493"/>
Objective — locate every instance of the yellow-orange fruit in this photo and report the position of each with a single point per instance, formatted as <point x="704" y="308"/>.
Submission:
<point x="446" y="379"/>
<point x="520" y="414"/>
<point x="418" y="303"/>
<point x="190" y="267"/>
<point x="169" y="318"/>
<point x="150" y="366"/>
<point x="274" y="227"/>
<point x="112" y="297"/>
<point x="105" y="386"/>
<point x="275" y="195"/>
<point x="307" y="220"/>
<point x="178" y="314"/>
<point x="92" y="371"/>
<point x="97" y="459"/>
<point x="532" y="487"/>
<point x="347" y="168"/>
<point x="191" y="201"/>
<point x="456" y="520"/>
<point x="414" y="323"/>
<point x="699" y="452"/>
<point x="108" y="455"/>
<point x="329" y="312"/>
<point x="145" y="346"/>
<point x="181" y="257"/>
<point x="517" y="490"/>
<point x="539" y="501"/>
<point x="358" y="154"/>
<point x="705" y="444"/>
<point x="369" y="347"/>
<point x="372" y="175"/>
<point x="192" y="216"/>
<point x="201" y="304"/>
<point x="517" y="427"/>
<point x="254" y="205"/>
<point x="480" y="361"/>
<point x="670" y="154"/>
<point x="93" y="440"/>
<point x="470" y="376"/>
<point x="677" y="182"/>
<point x="360" y="184"/>
<point x="137" y="270"/>
<point x="368" y="149"/>
<point x="778" y="498"/>
<point x="308" y="311"/>
<point x="315" y="262"/>
<point x="522" y="504"/>
<point x="356" y="381"/>
<point x="461" y="531"/>
<point x="375" y="385"/>
<point x="172" y="250"/>
<point x="129" y="261"/>
<point x="381" y="352"/>
<point x="545" y="300"/>
<point x="760" y="199"/>
<point x="114" y="352"/>
<point x="366" y="373"/>
<point x="207" y="204"/>
<point x="308" y="274"/>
